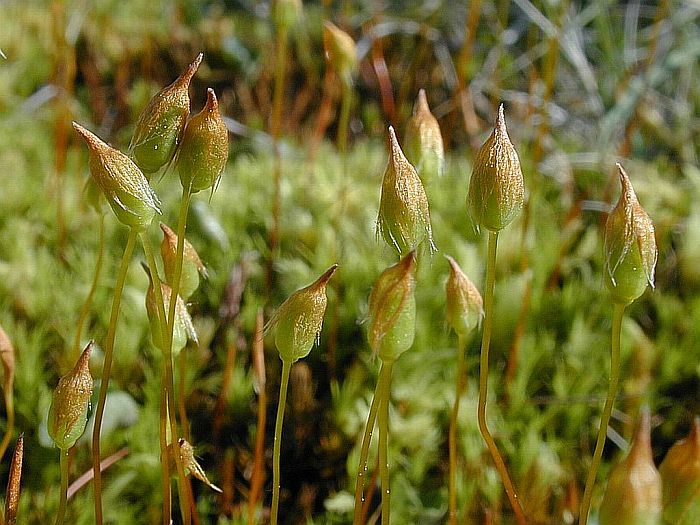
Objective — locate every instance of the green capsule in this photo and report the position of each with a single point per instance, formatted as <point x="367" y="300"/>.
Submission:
<point x="298" y="321"/>
<point x="70" y="403"/>
<point x="183" y="328"/>
<point x="192" y="265"/>
<point x="465" y="307"/>
<point x="126" y="189"/>
<point x="496" y="188"/>
<point x="630" y="246"/>
<point x="404" y="216"/>
<point x="160" y="126"/>
<point x="204" y="151"/>
<point x="340" y="50"/>
<point x="392" y="310"/>
<point x="633" y="492"/>
<point x="423" y="141"/>
<point x="680" y="473"/>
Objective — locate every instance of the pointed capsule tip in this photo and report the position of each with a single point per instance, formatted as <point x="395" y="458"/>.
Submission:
<point x="409" y="260"/>
<point x="501" y="120"/>
<point x="453" y="263"/>
<point x="695" y="431"/>
<point x="212" y="101"/>
<point x="186" y="77"/>
<point x="422" y="102"/>
<point x="396" y="152"/>
<point x="328" y="273"/>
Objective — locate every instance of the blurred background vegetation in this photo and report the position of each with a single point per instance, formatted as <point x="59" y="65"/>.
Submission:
<point x="585" y="84"/>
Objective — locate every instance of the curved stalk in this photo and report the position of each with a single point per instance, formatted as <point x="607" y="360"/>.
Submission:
<point x="286" y="369"/>
<point x="64" y="488"/>
<point x="10" y="412"/>
<point x="618" y="312"/>
<point x="91" y="294"/>
<point x="364" y="453"/>
<point x="452" y="439"/>
<point x="168" y="391"/>
<point x="106" y="370"/>
<point x="383" y="417"/>
<point x="484" y="377"/>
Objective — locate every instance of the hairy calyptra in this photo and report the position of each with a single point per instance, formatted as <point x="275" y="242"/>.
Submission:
<point x="297" y="322"/>
<point x="160" y="126"/>
<point x="70" y="403"/>
<point x="496" y="188"/>
<point x="123" y="184"/>
<point x="404" y="215"/>
<point x="392" y="310"/>
<point x="204" y="149"/>
<point x="630" y="246"/>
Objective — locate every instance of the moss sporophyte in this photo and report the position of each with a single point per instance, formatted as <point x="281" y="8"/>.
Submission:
<point x="423" y="141"/>
<point x="630" y="246"/>
<point x="464" y="314"/>
<point x="390" y="332"/>
<point x="680" y="474"/>
<point x="496" y="189"/>
<point x="404" y="215"/>
<point x="495" y="197"/>
<point x="160" y="126"/>
<point x="68" y="415"/>
<point x="297" y="326"/>
<point x="630" y="260"/>
<point x="123" y="184"/>
<point x="633" y="492"/>
<point x="192" y="265"/>
<point x="204" y="149"/>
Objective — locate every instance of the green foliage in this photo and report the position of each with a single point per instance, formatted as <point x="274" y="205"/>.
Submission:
<point x="545" y="417"/>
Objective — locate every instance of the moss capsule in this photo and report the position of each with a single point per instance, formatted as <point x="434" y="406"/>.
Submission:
<point x="340" y="50"/>
<point x="204" y="150"/>
<point x="465" y="307"/>
<point x="404" y="216"/>
<point x="297" y="322"/>
<point x="630" y="246"/>
<point x="496" y="188"/>
<point x="70" y="403"/>
<point x="680" y="473"/>
<point x="192" y="265"/>
<point x="392" y="310"/>
<point x="633" y="493"/>
<point x="423" y="141"/>
<point x="124" y="186"/>
<point x="159" y="129"/>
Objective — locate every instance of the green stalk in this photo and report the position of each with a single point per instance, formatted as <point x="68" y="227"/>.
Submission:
<point x="385" y="382"/>
<point x="484" y="378"/>
<point x="167" y="355"/>
<point x="10" y="412"/>
<point x="91" y="294"/>
<point x="106" y="370"/>
<point x="344" y="119"/>
<point x="64" y="488"/>
<point x="618" y="312"/>
<point x="175" y="290"/>
<point x="452" y="440"/>
<point x="364" y="453"/>
<point x="286" y="369"/>
<point x="164" y="452"/>
<point x="182" y="409"/>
